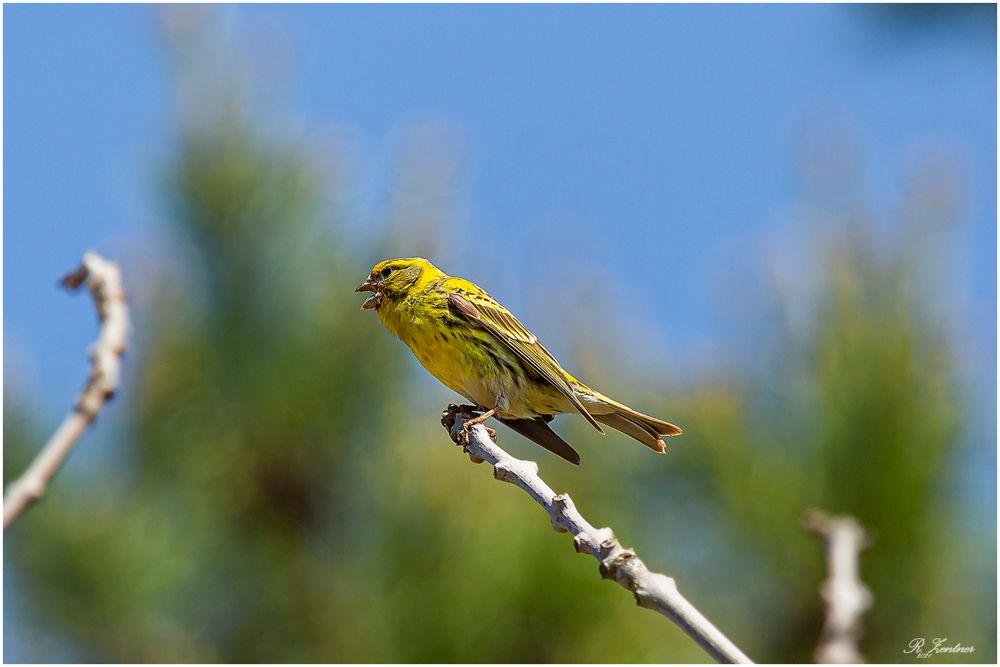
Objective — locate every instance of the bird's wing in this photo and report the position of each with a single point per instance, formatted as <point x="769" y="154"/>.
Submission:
<point x="482" y="309"/>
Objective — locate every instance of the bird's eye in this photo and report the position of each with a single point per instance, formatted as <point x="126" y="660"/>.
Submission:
<point x="386" y="271"/>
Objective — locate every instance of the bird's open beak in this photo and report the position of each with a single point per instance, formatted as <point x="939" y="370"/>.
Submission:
<point x="372" y="301"/>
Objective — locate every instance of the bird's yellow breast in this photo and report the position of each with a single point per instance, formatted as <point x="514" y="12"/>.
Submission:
<point x="420" y="324"/>
<point x="469" y="361"/>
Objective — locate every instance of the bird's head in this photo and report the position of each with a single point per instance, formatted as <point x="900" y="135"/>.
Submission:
<point x="392" y="280"/>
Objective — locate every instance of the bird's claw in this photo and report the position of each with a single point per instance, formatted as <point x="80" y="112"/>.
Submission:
<point x="463" y="436"/>
<point x="450" y="416"/>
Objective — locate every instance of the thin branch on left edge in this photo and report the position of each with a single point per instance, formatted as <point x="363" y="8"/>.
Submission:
<point x="103" y="279"/>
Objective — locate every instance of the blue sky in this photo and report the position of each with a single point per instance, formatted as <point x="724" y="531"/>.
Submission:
<point x="652" y="140"/>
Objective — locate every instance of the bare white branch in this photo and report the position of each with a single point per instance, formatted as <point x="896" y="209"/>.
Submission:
<point x="651" y="590"/>
<point x="846" y="597"/>
<point x="103" y="279"/>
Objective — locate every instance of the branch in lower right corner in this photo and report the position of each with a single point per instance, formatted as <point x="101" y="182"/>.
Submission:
<point x="846" y="597"/>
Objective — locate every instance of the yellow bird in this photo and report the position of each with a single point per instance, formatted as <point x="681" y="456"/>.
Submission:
<point x="477" y="348"/>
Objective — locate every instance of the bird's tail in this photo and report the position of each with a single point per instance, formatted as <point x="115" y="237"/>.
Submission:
<point x="647" y="430"/>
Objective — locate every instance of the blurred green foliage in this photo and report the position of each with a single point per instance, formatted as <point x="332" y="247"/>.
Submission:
<point x="278" y="495"/>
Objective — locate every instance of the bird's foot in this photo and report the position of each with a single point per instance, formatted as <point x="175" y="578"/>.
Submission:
<point x="463" y="436"/>
<point x="450" y="416"/>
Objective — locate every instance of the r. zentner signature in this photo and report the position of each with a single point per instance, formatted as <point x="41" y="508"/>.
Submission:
<point x="920" y="648"/>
